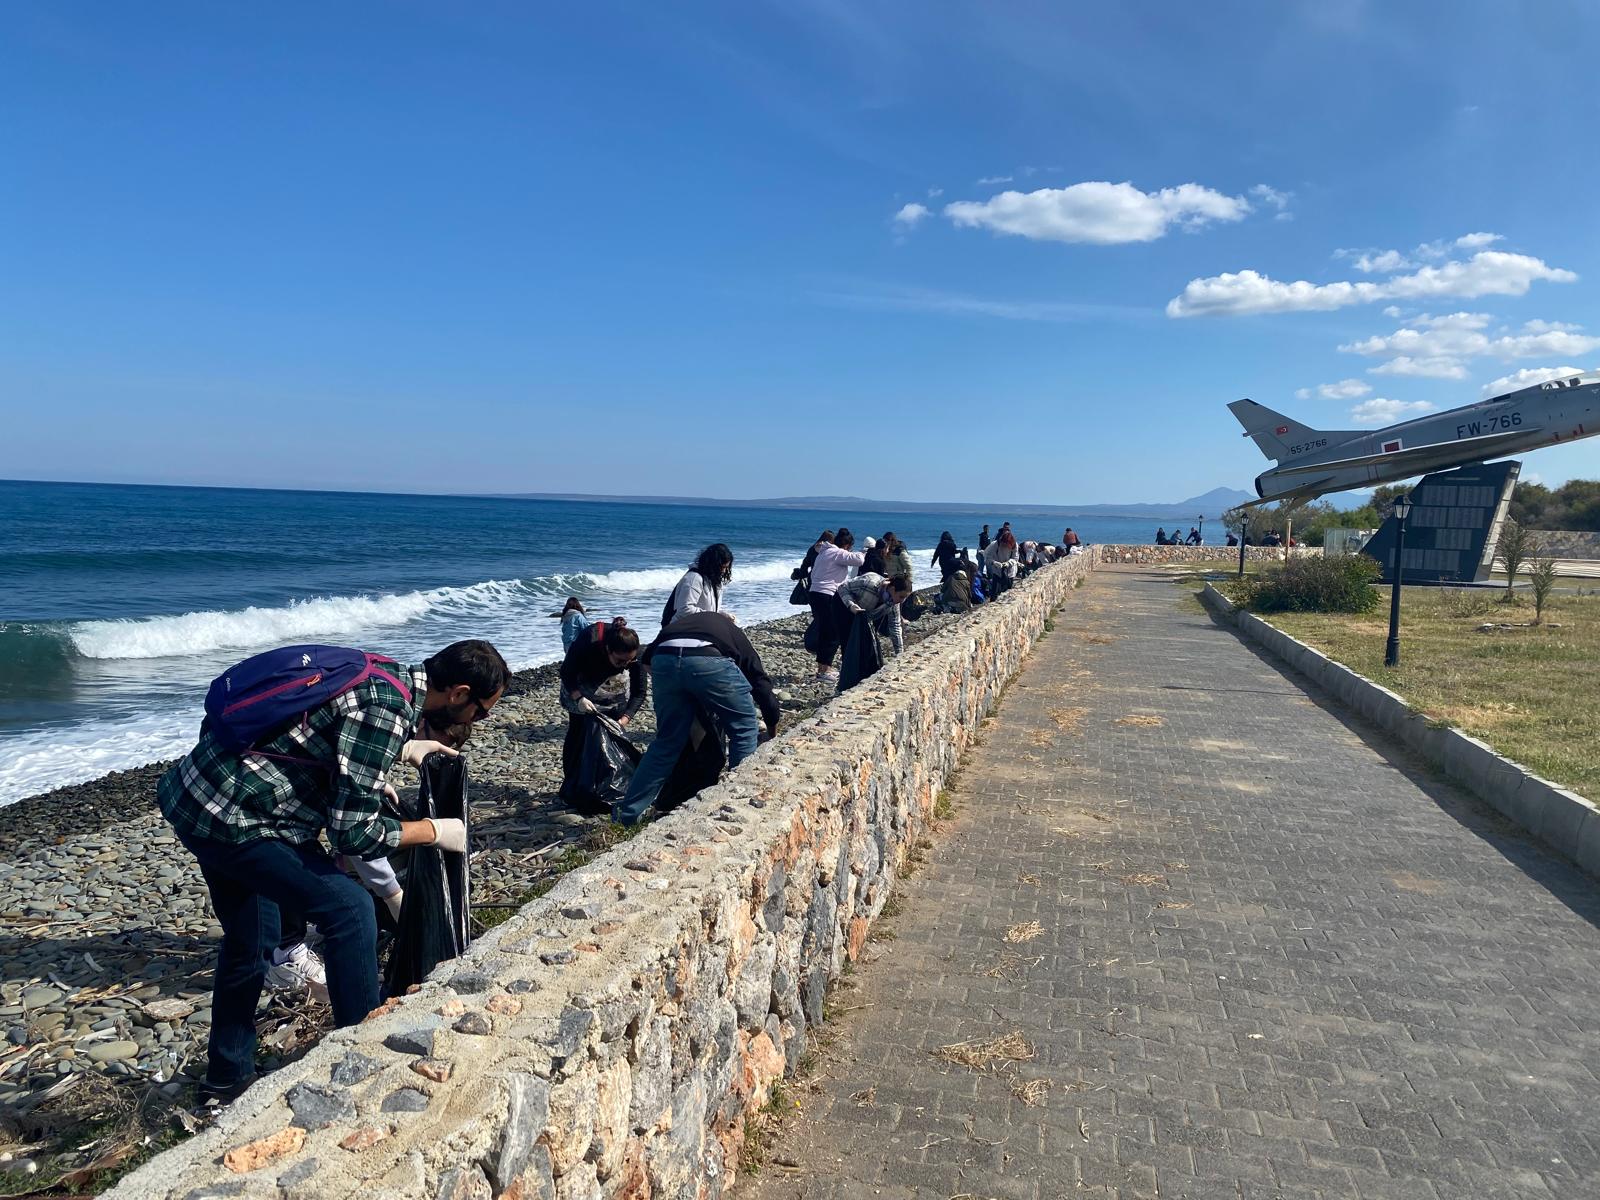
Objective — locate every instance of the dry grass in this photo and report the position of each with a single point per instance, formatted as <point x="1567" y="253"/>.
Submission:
<point x="1029" y="878"/>
<point x="1145" y="879"/>
<point x="1527" y="691"/>
<point x="1173" y="904"/>
<point x="1143" y="720"/>
<point x="1010" y="965"/>
<point x="1067" y="720"/>
<point x="1041" y="737"/>
<point x="982" y="1054"/>
<point x="1030" y="1091"/>
<point x="1098" y="639"/>
<point x="1025" y="932"/>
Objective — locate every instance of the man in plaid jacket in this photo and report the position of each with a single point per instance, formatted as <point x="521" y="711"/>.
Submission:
<point x="253" y="821"/>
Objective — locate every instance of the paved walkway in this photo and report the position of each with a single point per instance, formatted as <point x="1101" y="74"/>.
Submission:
<point x="1276" y="958"/>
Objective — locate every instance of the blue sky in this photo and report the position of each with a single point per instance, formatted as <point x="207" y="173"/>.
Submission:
<point x="1016" y="251"/>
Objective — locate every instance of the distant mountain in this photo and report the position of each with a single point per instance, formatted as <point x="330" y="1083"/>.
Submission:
<point x="1211" y="504"/>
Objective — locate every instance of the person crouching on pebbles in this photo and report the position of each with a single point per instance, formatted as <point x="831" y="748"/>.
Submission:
<point x="252" y="818"/>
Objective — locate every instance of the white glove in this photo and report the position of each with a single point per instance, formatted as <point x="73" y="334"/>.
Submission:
<point x="449" y="833"/>
<point x="587" y="705"/>
<point x="392" y="903"/>
<point x="412" y="753"/>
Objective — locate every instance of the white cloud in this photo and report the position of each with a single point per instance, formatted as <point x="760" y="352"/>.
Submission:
<point x="1476" y="241"/>
<point x="1097" y="212"/>
<point x="1345" y="389"/>
<point x="1302" y="393"/>
<point x="1426" y="368"/>
<point x="1271" y="196"/>
<point x="1527" y="377"/>
<point x="1439" y="347"/>
<point x="935" y="192"/>
<point x="1392" y="311"/>
<point x="910" y="214"/>
<point x="1539" y="339"/>
<point x="1382" y="262"/>
<point x="1379" y="411"/>
<point x="991" y="180"/>
<point x="1487" y="273"/>
<point x="890" y="298"/>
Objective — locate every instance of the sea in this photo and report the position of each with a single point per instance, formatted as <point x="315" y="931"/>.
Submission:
<point x="119" y="604"/>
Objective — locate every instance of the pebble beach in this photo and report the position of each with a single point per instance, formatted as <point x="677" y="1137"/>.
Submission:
<point x="107" y="940"/>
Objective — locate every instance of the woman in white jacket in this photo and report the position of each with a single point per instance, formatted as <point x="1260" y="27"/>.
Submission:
<point x="700" y="589"/>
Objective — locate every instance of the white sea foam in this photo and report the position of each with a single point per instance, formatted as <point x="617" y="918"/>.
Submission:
<point x="39" y="760"/>
<point x="202" y="632"/>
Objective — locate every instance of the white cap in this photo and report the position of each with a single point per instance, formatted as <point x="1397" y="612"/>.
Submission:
<point x="871" y="542"/>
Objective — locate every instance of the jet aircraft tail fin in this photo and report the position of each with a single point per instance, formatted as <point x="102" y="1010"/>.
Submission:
<point x="1272" y="432"/>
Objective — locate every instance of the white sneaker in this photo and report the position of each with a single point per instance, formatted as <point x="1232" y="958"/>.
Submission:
<point x="301" y="970"/>
<point x="827" y="674"/>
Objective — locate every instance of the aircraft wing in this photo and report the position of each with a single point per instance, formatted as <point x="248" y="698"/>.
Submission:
<point x="1418" y="454"/>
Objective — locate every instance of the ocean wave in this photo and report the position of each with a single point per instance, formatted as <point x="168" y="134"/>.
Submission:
<point x="198" y="633"/>
<point x="37" y="761"/>
<point x="299" y="620"/>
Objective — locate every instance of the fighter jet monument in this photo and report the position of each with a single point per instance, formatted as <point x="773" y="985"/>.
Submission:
<point x="1312" y="462"/>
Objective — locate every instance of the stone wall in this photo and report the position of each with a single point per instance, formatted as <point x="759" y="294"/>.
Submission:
<point x="1189" y="554"/>
<point x="611" y="1038"/>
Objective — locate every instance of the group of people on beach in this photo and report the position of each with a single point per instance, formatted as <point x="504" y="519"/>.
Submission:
<point x="287" y="801"/>
<point x="1175" y="538"/>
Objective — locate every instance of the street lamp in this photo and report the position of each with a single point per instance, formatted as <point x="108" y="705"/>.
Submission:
<point x="1202" y="529"/>
<point x="1402" y="510"/>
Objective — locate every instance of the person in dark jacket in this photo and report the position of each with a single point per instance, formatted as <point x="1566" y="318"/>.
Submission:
<point x="983" y="539"/>
<point x="600" y="674"/>
<point x="945" y="556"/>
<point x="877" y="559"/>
<point x="702" y="662"/>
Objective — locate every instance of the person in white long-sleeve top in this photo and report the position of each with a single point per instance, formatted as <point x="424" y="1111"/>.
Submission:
<point x="829" y="570"/>
<point x="700" y="589"/>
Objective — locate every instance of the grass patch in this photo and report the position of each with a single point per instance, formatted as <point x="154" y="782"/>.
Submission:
<point x="1527" y="690"/>
<point x="761" y="1129"/>
<point x="1025" y="932"/>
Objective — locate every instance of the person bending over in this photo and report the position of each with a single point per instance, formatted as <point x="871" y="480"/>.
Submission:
<point x="702" y="662"/>
<point x="253" y="818"/>
<point x="829" y="570"/>
<point x="880" y="599"/>
<point x="600" y="674"/>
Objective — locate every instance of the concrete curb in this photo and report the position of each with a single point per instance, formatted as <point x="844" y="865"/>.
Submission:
<point x="1561" y="819"/>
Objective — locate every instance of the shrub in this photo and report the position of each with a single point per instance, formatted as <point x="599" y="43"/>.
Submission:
<point x="1312" y="583"/>
<point x="1542" y="577"/>
<point x="1464" y="602"/>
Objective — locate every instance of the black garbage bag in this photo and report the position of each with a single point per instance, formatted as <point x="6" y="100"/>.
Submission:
<point x="605" y="768"/>
<point x="862" y="655"/>
<point x="433" y="916"/>
<point x="698" y="767"/>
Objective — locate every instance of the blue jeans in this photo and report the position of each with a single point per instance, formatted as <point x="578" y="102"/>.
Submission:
<point x="248" y="883"/>
<point x="677" y="684"/>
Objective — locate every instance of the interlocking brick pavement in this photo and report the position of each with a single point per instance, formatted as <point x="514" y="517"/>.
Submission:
<point x="1278" y="958"/>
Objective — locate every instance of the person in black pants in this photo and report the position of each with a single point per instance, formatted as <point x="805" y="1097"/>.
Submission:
<point x="600" y="674"/>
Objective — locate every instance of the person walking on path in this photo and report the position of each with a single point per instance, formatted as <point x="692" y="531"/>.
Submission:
<point x="252" y="819"/>
<point x="829" y="570"/>
<point x="700" y="589"/>
<point x="702" y="662"/>
<point x="600" y="674"/>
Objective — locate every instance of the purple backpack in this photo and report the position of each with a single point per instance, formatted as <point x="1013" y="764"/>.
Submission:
<point x="263" y="695"/>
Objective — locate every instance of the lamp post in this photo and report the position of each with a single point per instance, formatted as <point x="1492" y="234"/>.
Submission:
<point x="1402" y="510"/>
<point x="1202" y="529"/>
<point x="1244" y="535"/>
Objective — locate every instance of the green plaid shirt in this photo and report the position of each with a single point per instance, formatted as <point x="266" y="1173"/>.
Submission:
<point x="354" y="739"/>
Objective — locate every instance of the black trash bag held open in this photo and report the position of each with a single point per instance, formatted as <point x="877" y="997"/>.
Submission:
<point x="698" y="767"/>
<point x="605" y="768"/>
<point x="863" y="656"/>
<point x="433" y="916"/>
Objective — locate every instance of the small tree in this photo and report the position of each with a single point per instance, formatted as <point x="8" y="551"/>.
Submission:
<point x="1542" y="577"/>
<point x="1517" y="546"/>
